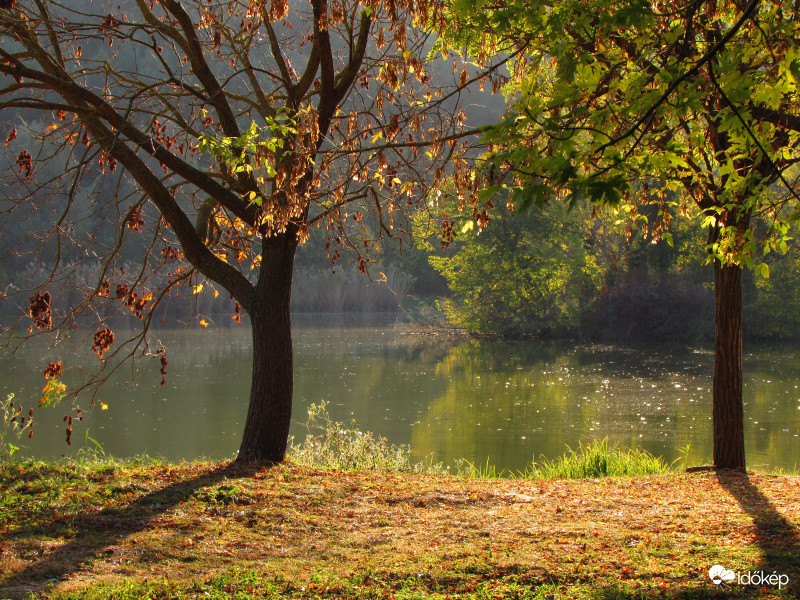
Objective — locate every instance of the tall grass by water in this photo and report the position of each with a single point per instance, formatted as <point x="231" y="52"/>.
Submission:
<point x="598" y="459"/>
<point x="333" y="445"/>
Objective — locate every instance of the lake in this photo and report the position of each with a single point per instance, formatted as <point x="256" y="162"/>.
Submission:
<point x="448" y="398"/>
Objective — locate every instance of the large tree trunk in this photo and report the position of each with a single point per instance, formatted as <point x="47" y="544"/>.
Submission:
<point x="266" y="430"/>
<point x="728" y="412"/>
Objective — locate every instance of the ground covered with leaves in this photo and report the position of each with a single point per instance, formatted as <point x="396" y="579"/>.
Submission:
<point x="210" y="530"/>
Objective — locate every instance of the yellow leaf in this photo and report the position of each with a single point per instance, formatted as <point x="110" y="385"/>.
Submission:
<point x="203" y="322"/>
<point x="252" y="196"/>
<point x="377" y="136"/>
<point x="103" y="406"/>
<point x="216" y="294"/>
<point x="197" y="289"/>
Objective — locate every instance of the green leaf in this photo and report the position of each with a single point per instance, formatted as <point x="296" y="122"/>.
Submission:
<point x="632" y="13"/>
<point x="794" y="67"/>
<point x="607" y="190"/>
<point x="525" y="198"/>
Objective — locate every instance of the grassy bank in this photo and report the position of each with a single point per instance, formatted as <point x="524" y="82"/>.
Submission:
<point x="209" y="530"/>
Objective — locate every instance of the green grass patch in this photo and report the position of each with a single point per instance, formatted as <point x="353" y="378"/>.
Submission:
<point x="598" y="459"/>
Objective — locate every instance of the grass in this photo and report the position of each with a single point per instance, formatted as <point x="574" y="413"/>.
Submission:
<point x="597" y="459"/>
<point x="148" y="529"/>
<point x="333" y="445"/>
<point x="351" y="517"/>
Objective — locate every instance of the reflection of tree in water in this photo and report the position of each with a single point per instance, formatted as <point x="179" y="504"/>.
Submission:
<point x="502" y="401"/>
<point x="432" y="390"/>
<point x="425" y="349"/>
<point x="494" y="354"/>
<point x="644" y="361"/>
<point x="513" y="400"/>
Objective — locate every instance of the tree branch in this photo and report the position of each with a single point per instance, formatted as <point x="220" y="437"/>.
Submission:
<point x="646" y="118"/>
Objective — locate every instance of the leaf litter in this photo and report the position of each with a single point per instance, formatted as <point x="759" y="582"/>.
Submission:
<point x="297" y="531"/>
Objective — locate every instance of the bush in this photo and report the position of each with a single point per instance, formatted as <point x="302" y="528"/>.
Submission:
<point x="332" y="445"/>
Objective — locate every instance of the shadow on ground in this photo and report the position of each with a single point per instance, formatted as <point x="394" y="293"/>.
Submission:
<point x="776" y="536"/>
<point x="92" y="533"/>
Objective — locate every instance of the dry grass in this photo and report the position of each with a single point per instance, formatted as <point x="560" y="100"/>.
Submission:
<point x="210" y="530"/>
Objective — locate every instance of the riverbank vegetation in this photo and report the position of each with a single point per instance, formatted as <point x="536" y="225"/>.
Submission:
<point x="146" y="529"/>
<point x="584" y="273"/>
<point x="331" y="444"/>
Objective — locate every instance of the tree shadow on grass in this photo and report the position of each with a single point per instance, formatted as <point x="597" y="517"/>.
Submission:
<point x="92" y="533"/>
<point x="776" y="536"/>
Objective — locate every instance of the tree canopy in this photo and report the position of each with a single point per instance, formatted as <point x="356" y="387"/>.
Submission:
<point x="626" y="102"/>
<point x="213" y="137"/>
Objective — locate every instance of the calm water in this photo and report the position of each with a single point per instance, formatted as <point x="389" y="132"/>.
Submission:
<point x="507" y="402"/>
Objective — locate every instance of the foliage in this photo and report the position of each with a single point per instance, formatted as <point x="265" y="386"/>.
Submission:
<point x="775" y="311"/>
<point x="652" y="307"/>
<point x="14" y="424"/>
<point x="698" y="100"/>
<point x="203" y="142"/>
<point x="610" y="93"/>
<point x="528" y="275"/>
<point x="332" y="445"/>
<point x="553" y="271"/>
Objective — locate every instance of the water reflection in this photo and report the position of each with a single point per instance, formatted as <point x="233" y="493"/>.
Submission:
<point x="473" y="399"/>
<point x="525" y="401"/>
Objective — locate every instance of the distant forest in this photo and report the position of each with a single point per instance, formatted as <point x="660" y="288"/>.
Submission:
<point x="548" y="273"/>
<point x="558" y="273"/>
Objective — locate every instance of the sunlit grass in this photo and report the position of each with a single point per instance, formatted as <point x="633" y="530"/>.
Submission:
<point x="598" y="459"/>
<point x="145" y="529"/>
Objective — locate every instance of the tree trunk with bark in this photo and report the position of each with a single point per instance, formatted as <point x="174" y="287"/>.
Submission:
<point x="266" y="430"/>
<point x="728" y="408"/>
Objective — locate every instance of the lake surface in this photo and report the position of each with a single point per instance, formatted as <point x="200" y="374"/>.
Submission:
<point x="474" y="399"/>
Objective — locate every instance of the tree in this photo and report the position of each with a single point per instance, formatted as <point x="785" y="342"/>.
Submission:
<point x="521" y="276"/>
<point x="210" y="137"/>
<point x="625" y="102"/>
